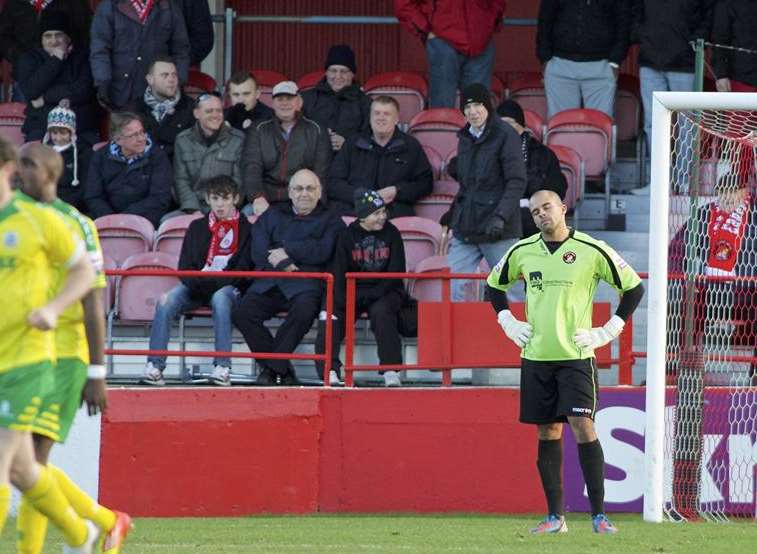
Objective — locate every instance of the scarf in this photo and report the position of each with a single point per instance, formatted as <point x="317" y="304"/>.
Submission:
<point x="161" y="108"/>
<point x="61" y="149"/>
<point x="40" y="5"/>
<point x="117" y="153"/>
<point x="224" y="239"/>
<point x="725" y="232"/>
<point x="143" y="8"/>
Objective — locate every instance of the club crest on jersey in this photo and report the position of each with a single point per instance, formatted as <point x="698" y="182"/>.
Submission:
<point x="569" y="257"/>
<point x="10" y="240"/>
<point x="535" y="281"/>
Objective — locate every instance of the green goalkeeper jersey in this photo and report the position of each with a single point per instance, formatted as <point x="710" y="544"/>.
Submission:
<point x="560" y="288"/>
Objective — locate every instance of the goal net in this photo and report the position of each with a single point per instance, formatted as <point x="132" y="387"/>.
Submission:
<point x="701" y="397"/>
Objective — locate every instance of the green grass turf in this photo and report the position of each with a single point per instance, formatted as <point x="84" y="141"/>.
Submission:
<point x="426" y="534"/>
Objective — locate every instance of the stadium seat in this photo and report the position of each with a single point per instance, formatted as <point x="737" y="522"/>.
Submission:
<point x="170" y="234"/>
<point x="433" y="206"/>
<point x="123" y="235"/>
<point x="591" y="133"/>
<point x="408" y="89"/>
<point x="628" y="119"/>
<point x="421" y="238"/>
<point x="572" y="167"/>
<point x="435" y="159"/>
<point x="266" y="80"/>
<point x="428" y="290"/>
<point x="528" y="90"/>
<point x="309" y="80"/>
<point x="98" y="145"/>
<point x="109" y="292"/>
<point x="199" y="82"/>
<point x="535" y="124"/>
<point x="11" y="120"/>
<point x="438" y="127"/>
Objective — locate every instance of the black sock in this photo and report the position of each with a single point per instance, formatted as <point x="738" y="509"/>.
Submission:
<point x="593" y="467"/>
<point x="549" y="462"/>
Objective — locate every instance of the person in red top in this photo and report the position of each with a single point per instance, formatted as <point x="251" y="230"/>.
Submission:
<point x="458" y="35"/>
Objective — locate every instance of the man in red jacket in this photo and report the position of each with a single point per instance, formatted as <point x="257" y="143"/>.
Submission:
<point x="458" y="35"/>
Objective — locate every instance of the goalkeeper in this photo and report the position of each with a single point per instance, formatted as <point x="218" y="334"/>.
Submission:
<point x="558" y="383"/>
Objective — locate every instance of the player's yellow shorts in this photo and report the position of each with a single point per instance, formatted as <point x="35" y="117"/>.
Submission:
<point x="21" y="392"/>
<point x="60" y="405"/>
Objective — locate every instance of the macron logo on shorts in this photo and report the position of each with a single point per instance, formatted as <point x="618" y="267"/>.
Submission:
<point x="581" y="410"/>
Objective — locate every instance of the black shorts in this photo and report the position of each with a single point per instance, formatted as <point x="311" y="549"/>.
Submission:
<point x="552" y="391"/>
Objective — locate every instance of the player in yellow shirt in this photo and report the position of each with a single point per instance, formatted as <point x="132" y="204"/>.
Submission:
<point x="79" y="341"/>
<point x="33" y="238"/>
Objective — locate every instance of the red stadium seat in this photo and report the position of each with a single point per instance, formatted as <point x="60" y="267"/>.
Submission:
<point x="309" y="80"/>
<point x="528" y="90"/>
<point x="435" y="160"/>
<point x="12" y="118"/>
<point x="109" y="292"/>
<point x="123" y="235"/>
<point x="98" y="145"/>
<point x="535" y="124"/>
<point x="428" y="290"/>
<point x="591" y="133"/>
<point x="433" y="206"/>
<point x="266" y="80"/>
<point x="572" y="167"/>
<point x="199" y="82"/>
<point x="628" y="109"/>
<point x="438" y="127"/>
<point x="421" y="238"/>
<point x="170" y="234"/>
<point x="137" y="296"/>
<point x="408" y="89"/>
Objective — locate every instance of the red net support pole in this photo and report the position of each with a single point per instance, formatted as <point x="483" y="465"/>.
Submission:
<point x="447" y="330"/>
<point x="329" y="325"/>
<point x="349" y="333"/>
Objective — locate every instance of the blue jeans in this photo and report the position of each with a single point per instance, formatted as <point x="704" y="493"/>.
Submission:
<point x="464" y="257"/>
<point x="179" y="300"/>
<point x="449" y="70"/>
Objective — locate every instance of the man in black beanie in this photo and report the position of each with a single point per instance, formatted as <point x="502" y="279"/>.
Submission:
<point x="485" y="215"/>
<point x="369" y="244"/>
<point x="337" y="103"/>
<point x="542" y="166"/>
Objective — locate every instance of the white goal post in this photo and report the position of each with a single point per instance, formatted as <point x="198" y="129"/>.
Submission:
<point x="720" y="111"/>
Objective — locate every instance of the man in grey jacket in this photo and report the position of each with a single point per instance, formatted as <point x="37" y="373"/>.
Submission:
<point x="207" y="149"/>
<point x="125" y="38"/>
<point x="276" y="149"/>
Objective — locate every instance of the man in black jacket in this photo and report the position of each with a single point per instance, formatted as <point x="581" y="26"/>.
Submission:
<point x="199" y="24"/>
<point x="385" y="160"/>
<point x="542" y="166"/>
<point x="581" y="44"/>
<point x="485" y="215"/>
<point x="246" y="109"/>
<point x="298" y="236"/>
<point x="220" y="241"/>
<point x="57" y="74"/>
<point x="734" y="25"/>
<point x="337" y="103"/>
<point x="165" y="110"/>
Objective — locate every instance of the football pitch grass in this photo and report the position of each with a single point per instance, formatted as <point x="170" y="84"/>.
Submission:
<point x="416" y="533"/>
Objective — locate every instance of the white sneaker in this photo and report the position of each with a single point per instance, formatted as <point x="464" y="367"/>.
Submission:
<point x="392" y="379"/>
<point x="90" y="545"/>
<point x="220" y="376"/>
<point x="334" y="378"/>
<point x="152" y="376"/>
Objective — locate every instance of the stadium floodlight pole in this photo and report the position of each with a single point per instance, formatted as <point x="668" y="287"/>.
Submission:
<point x="663" y="105"/>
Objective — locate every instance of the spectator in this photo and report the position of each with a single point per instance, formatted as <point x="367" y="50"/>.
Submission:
<point x="734" y="25"/>
<point x="62" y="137"/>
<point x="246" y="109"/>
<point x="125" y="39"/>
<point x="129" y="175"/>
<point x="299" y="236"/>
<point x="485" y="215"/>
<point x="220" y="241"/>
<point x="208" y="149"/>
<point x="165" y="110"/>
<point x="336" y="102"/>
<point x="581" y="46"/>
<point x="542" y="166"/>
<point x="199" y="24"/>
<point x="57" y="73"/>
<point x="277" y="148"/>
<point x="459" y="39"/>
<point x="369" y="244"/>
<point x="383" y="159"/>
<point x="19" y="26"/>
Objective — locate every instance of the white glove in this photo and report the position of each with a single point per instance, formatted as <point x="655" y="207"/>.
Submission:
<point x="517" y="331"/>
<point x="590" y="339"/>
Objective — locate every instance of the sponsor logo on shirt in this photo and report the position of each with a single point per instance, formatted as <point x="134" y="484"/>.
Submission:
<point x="535" y="281"/>
<point x="569" y="257"/>
<point x="10" y="240"/>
